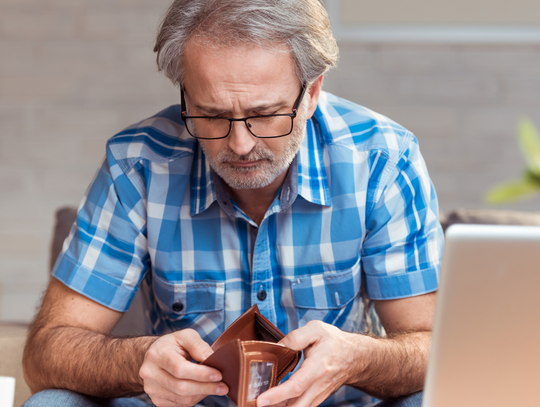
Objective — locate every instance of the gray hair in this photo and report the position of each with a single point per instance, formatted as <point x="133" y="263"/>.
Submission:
<point x="301" y="24"/>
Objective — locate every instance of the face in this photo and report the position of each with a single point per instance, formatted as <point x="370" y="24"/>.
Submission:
<point x="246" y="81"/>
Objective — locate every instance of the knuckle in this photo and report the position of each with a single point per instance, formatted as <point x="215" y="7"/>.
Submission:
<point x="152" y="353"/>
<point x="325" y="369"/>
<point x="181" y="388"/>
<point x="298" y="388"/>
<point x="316" y="324"/>
<point x="177" y="371"/>
<point x="144" y="372"/>
<point x="190" y="334"/>
<point x="294" y="336"/>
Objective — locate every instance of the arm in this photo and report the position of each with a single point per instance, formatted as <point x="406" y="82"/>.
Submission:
<point x="383" y="367"/>
<point x="398" y="363"/>
<point x="69" y="347"/>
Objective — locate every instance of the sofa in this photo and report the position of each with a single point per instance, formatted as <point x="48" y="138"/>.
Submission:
<point x="13" y="335"/>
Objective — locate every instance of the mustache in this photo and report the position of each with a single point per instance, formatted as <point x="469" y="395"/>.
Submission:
<point x="256" y="154"/>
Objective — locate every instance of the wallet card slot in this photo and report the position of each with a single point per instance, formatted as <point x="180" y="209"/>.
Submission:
<point x="266" y="331"/>
<point x="284" y="364"/>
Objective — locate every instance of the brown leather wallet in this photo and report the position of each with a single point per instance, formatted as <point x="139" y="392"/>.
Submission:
<point x="249" y="358"/>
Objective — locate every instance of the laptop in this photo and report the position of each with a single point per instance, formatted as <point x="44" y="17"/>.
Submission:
<point x="486" y="337"/>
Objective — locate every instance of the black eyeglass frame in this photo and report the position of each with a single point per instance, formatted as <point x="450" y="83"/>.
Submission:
<point x="243" y="119"/>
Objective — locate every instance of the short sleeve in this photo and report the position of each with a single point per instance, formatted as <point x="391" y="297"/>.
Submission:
<point x="404" y="241"/>
<point x="105" y="255"/>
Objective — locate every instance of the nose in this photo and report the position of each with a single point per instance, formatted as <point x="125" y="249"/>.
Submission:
<point x="241" y="141"/>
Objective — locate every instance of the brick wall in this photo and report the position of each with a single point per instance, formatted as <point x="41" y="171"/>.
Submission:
<point x="74" y="72"/>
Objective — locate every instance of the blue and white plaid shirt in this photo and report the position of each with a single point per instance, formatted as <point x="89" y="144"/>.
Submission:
<point x="357" y="208"/>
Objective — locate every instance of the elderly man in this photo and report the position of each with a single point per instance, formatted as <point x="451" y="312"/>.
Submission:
<point x="258" y="189"/>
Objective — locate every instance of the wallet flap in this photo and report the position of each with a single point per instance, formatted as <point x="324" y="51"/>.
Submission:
<point x="243" y="328"/>
<point x="229" y="360"/>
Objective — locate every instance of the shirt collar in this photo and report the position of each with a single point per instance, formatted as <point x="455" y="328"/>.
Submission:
<point x="203" y="192"/>
<point x="306" y="177"/>
<point x="313" y="183"/>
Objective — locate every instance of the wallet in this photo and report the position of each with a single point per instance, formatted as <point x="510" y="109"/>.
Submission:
<point x="249" y="358"/>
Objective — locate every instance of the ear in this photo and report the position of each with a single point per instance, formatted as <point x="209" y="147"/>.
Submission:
<point x="313" y="93"/>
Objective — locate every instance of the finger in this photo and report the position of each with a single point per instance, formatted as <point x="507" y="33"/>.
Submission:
<point x="159" y="402"/>
<point x="191" y="341"/>
<point x="159" y="394"/>
<point x="190" y="387"/>
<point x="301" y="338"/>
<point x="171" y="400"/>
<point x="311" y="398"/>
<point x="162" y="356"/>
<point x="293" y="388"/>
<point x="165" y="386"/>
<point x="180" y="368"/>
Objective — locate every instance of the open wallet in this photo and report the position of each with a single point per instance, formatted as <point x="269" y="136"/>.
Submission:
<point x="249" y="358"/>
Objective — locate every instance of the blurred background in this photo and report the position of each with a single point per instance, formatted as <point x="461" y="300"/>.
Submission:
<point x="459" y="74"/>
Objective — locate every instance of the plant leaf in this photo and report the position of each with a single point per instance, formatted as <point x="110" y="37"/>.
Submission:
<point x="511" y="191"/>
<point x="530" y="145"/>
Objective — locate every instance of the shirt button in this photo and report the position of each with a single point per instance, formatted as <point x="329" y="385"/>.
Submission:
<point x="177" y="306"/>
<point x="261" y="295"/>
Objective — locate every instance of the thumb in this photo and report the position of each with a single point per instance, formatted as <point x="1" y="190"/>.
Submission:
<point x="301" y="338"/>
<point x="192" y="342"/>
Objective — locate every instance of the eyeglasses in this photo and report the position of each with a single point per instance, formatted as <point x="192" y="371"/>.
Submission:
<point x="264" y="126"/>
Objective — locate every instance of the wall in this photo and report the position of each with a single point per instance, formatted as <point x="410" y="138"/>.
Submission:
<point x="461" y="101"/>
<point x="74" y="72"/>
<point x="440" y="11"/>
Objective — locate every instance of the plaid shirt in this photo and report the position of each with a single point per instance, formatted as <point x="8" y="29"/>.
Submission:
<point x="356" y="209"/>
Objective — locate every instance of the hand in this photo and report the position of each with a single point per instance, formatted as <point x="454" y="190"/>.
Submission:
<point x="330" y="360"/>
<point x="171" y="379"/>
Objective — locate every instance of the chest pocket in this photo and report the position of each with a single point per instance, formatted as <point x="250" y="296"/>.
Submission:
<point x="332" y="297"/>
<point x="197" y="305"/>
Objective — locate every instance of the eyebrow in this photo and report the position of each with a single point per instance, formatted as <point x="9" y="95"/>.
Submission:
<point x="256" y="108"/>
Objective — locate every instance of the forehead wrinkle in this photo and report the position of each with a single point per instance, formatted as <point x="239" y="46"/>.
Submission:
<point x="257" y="107"/>
<point x="224" y="82"/>
<point x="250" y="103"/>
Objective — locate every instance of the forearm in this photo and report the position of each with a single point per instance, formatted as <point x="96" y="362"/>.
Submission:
<point x="392" y="366"/>
<point x="84" y="361"/>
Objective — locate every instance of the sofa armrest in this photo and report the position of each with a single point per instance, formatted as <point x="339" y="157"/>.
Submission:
<point x="12" y="339"/>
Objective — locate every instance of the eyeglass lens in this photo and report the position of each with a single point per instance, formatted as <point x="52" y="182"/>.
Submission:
<point x="217" y="127"/>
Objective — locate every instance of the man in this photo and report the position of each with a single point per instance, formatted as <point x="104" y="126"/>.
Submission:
<point x="261" y="189"/>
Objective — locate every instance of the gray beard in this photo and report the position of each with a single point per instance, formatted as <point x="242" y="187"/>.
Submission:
<point x="269" y="166"/>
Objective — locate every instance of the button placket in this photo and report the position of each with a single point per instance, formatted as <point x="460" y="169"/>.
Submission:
<point x="261" y="274"/>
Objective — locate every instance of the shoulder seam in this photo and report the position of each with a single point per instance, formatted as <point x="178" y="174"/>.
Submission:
<point x="389" y="169"/>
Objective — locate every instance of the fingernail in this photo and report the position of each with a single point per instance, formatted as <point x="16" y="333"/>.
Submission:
<point x="222" y="390"/>
<point x="215" y="378"/>
<point x="262" y="402"/>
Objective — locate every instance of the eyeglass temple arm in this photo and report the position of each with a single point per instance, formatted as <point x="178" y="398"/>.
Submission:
<point x="183" y="102"/>
<point x="299" y="98"/>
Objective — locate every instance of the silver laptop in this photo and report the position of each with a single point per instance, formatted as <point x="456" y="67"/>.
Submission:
<point x="486" y="340"/>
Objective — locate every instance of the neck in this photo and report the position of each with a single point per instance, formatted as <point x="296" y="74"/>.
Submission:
<point x="255" y="202"/>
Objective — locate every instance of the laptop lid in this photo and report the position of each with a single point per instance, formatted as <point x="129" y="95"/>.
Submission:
<point x="486" y="337"/>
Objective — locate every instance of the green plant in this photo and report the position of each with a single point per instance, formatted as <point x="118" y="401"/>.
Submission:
<point x="529" y="141"/>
